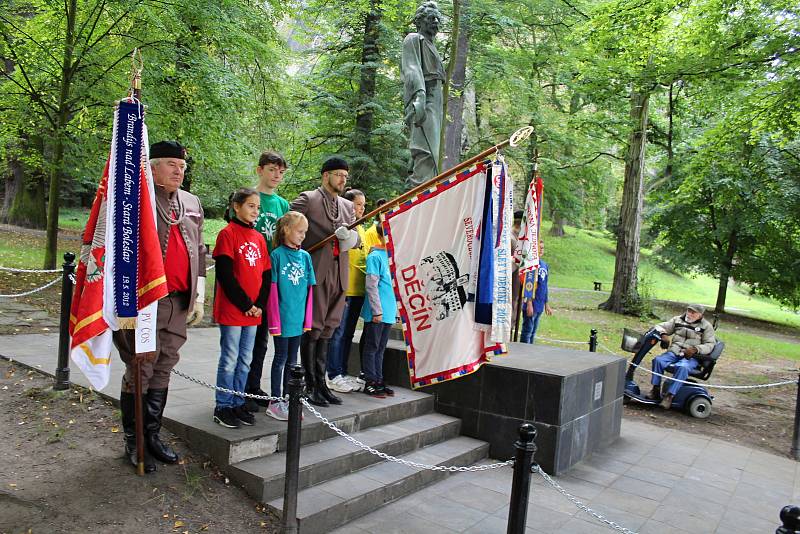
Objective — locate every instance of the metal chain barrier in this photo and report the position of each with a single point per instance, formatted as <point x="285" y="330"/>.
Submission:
<point x="619" y="528"/>
<point x="15" y="270"/>
<point x="565" y="342"/>
<point x="32" y="291"/>
<point x="342" y="433"/>
<point x="718" y="386"/>
<point x="225" y="390"/>
<point x="354" y="441"/>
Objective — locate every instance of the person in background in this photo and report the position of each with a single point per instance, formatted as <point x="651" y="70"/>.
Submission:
<point x="379" y="314"/>
<point x="533" y="308"/>
<point x="342" y="340"/>
<point x="270" y="170"/>
<point x="243" y="284"/>
<point x="692" y="337"/>
<point x="289" y="307"/>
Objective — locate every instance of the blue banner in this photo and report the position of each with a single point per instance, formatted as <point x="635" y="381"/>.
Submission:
<point x="126" y="165"/>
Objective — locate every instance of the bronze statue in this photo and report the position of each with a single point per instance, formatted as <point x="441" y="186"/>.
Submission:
<point x="423" y="76"/>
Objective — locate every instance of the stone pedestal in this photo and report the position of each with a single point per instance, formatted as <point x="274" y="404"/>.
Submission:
<point x="574" y="398"/>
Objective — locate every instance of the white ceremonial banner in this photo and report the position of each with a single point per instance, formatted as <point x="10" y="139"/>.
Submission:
<point x="430" y="242"/>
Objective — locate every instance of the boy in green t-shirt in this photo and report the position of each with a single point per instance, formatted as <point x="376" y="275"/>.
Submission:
<point x="271" y="167"/>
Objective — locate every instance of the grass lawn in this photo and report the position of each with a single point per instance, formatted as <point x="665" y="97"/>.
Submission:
<point x="583" y="257"/>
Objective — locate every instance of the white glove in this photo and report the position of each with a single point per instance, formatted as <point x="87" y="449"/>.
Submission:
<point x="197" y="314"/>
<point x="347" y="238"/>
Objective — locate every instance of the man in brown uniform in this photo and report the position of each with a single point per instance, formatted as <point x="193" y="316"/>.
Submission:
<point x="180" y="234"/>
<point x="327" y="213"/>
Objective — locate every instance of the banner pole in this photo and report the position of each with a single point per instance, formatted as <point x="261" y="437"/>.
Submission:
<point x="136" y="90"/>
<point x="519" y="136"/>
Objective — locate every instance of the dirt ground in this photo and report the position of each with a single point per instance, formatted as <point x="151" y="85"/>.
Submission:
<point x="760" y="418"/>
<point x="62" y="470"/>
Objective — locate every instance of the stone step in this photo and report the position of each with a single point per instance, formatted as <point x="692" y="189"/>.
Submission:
<point x="326" y="506"/>
<point x="226" y="446"/>
<point x="263" y="478"/>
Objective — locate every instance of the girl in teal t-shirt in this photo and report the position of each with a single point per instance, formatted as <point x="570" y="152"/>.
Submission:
<point x="289" y="309"/>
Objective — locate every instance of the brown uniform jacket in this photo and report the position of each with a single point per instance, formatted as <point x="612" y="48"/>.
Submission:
<point x="320" y="226"/>
<point x="191" y="228"/>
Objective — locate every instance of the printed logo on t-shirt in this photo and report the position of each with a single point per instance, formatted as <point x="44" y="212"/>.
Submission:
<point x="266" y="223"/>
<point x="294" y="272"/>
<point x="542" y="273"/>
<point x="251" y="252"/>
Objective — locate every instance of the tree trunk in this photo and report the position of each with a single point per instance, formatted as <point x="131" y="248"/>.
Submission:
<point x="62" y="119"/>
<point x="24" y="201"/>
<point x="725" y="271"/>
<point x="452" y="132"/>
<point x="624" y="296"/>
<point x="557" y="229"/>
<point x="370" y="55"/>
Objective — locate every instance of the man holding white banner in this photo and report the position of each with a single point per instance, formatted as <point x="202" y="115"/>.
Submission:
<point x="180" y="236"/>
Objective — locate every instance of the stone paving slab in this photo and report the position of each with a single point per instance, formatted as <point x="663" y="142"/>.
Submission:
<point x="652" y="480"/>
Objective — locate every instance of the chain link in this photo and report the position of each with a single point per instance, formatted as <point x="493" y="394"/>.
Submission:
<point x="539" y="338"/>
<point x="619" y="528"/>
<point x="225" y="390"/>
<point x="717" y="386"/>
<point x="15" y="270"/>
<point x="32" y="291"/>
<point x="417" y="465"/>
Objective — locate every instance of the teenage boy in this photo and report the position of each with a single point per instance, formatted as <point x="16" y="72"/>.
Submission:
<point x="270" y="170"/>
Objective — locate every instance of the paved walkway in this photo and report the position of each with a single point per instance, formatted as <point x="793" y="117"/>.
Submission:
<point x="652" y="480"/>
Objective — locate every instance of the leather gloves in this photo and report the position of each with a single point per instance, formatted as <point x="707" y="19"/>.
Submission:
<point x="196" y="316"/>
<point x="664" y="341"/>
<point x="688" y="352"/>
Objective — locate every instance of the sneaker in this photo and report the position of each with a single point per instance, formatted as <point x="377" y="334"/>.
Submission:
<point x="358" y="382"/>
<point x="387" y="390"/>
<point x="278" y="410"/>
<point x="225" y="417"/>
<point x="340" y="384"/>
<point x="373" y="390"/>
<point x="352" y="382"/>
<point x="244" y="415"/>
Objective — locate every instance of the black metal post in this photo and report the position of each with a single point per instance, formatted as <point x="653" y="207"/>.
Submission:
<point x="296" y="383"/>
<point x="521" y="484"/>
<point x="790" y="517"/>
<point x="593" y="340"/>
<point x="62" y="368"/>
<point x="796" y="434"/>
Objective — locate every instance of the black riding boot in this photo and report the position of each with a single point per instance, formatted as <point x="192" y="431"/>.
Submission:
<point x="128" y="408"/>
<point x="154" y="410"/>
<point x="307" y="349"/>
<point x="320" y="371"/>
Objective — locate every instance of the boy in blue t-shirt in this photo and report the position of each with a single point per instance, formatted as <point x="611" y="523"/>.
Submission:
<point x="379" y="314"/>
<point x="532" y="309"/>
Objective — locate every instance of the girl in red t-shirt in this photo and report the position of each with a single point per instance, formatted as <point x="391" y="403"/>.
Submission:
<point x="243" y="282"/>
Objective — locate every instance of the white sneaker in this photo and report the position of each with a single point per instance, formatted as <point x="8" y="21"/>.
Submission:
<point x="340" y="384"/>
<point x="354" y="383"/>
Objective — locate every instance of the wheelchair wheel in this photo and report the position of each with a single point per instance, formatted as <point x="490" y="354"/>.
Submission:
<point x="700" y="407"/>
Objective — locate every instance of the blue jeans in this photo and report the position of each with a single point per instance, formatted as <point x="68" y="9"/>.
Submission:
<point x="285" y="356"/>
<point x="682" y="368"/>
<point x="529" y="326"/>
<point x="236" y="351"/>
<point x="376" y="335"/>
<point x="342" y="340"/>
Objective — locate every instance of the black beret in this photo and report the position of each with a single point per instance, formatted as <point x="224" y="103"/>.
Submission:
<point x="335" y="163"/>
<point x="167" y="149"/>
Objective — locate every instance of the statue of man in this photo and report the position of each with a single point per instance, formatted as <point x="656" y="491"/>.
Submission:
<point x="423" y="76"/>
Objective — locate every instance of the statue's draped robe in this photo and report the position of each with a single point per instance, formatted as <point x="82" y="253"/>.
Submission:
<point x="422" y="70"/>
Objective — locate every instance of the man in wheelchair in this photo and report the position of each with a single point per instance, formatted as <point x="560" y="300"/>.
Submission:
<point x="692" y="338"/>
